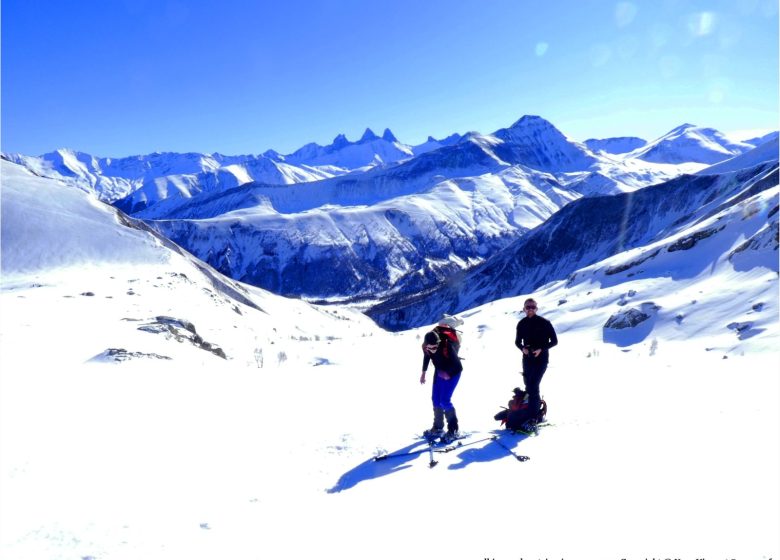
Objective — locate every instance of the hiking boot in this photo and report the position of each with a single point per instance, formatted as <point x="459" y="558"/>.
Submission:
<point x="433" y="433"/>
<point x="450" y="436"/>
<point x="529" y="426"/>
<point x="452" y="420"/>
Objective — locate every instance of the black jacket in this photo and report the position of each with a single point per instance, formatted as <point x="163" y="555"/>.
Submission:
<point x="536" y="333"/>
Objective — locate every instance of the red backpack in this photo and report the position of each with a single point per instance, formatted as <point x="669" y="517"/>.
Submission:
<point x="449" y="336"/>
<point x="517" y="413"/>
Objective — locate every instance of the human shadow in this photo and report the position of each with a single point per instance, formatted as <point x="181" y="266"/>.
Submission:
<point x="503" y="445"/>
<point x="372" y="468"/>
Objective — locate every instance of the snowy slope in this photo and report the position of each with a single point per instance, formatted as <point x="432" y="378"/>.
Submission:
<point x="268" y="454"/>
<point x="766" y="152"/>
<point x="99" y="264"/>
<point x="619" y="145"/>
<point x="135" y="182"/>
<point x="759" y="140"/>
<point x="378" y="244"/>
<point x="591" y="229"/>
<point x="177" y="189"/>
<point x="690" y="143"/>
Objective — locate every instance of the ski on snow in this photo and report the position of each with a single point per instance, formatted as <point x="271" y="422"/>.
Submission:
<point x="438" y="446"/>
<point x="434" y="445"/>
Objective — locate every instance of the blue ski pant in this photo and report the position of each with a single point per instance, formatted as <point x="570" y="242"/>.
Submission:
<point x="443" y="390"/>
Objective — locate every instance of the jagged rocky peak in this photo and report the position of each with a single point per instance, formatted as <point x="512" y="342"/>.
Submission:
<point x="389" y="136"/>
<point x="369" y="136"/>
<point x="274" y="155"/>
<point x="340" y="141"/>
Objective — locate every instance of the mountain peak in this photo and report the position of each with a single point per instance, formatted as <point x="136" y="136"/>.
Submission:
<point x="682" y="128"/>
<point x="532" y="121"/>
<point x="273" y="155"/>
<point x="340" y="141"/>
<point x="389" y="136"/>
<point x="691" y="143"/>
<point x="535" y="142"/>
<point x="368" y="136"/>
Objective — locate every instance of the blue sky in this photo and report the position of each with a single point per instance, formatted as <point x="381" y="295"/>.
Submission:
<point x="126" y="77"/>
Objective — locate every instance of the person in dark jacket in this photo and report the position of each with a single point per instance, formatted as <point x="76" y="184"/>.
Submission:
<point x="441" y="346"/>
<point x="535" y="336"/>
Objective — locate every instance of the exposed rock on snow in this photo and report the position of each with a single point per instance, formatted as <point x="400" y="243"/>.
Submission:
<point x="630" y="326"/>
<point x="626" y="319"/>
<point x="181" y="331"/>
<point x="122" y="355"/>
<point x="689" y="241"/>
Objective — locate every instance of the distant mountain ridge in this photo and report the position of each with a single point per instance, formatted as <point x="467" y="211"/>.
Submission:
<point x="532" y="141"/>
<point x="693" y="144"/>
<point x="136" y="182"/>
<point x="621" y="145"/>
<point x="403" y="222"/>
<point x="369" y="150"/>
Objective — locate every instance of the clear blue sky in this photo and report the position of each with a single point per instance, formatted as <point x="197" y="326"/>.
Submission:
<point x="126" y="77"/>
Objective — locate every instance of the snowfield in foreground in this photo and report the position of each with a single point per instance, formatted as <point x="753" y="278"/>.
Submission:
<point x="673" y="453"/>
<point x="152" y="408"/>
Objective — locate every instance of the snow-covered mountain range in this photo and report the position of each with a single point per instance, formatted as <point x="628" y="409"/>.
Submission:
<point x="369" y="150"/>
<point x="375" y="218"/>
<point x="152" y="407"/>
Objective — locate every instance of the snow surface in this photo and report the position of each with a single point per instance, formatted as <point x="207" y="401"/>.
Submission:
<point x="690" y="143"/>
<point x="768" y="151"/>
<point x="663" y="443"/>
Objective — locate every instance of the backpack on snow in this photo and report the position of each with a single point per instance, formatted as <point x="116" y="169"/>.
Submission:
<point x="517" y="417"/>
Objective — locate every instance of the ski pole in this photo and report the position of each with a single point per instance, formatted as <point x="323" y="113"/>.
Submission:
<point x="521" y="458"/>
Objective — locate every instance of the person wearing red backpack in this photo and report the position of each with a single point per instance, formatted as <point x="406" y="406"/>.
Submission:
<point x="441" y="346"/>
<point x="535" y="336"/>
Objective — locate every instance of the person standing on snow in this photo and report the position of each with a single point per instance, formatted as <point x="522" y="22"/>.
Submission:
<point x="535" y="336"/>
<point x="441" y="346"/>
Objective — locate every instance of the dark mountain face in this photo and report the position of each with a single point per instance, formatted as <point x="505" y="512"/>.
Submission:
<point x="582" y="233"/>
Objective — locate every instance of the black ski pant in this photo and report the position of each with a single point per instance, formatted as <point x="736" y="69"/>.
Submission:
<point x="533" y="371"/>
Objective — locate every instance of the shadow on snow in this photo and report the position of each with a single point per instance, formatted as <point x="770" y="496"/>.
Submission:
<point x="398" y="460"/>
